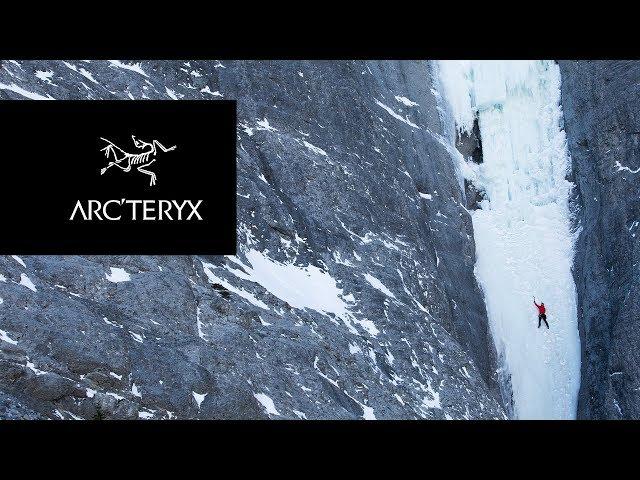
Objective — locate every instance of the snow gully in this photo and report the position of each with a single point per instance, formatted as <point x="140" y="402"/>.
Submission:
<point x="135" y="210"/>
<point x="522" y="229"/>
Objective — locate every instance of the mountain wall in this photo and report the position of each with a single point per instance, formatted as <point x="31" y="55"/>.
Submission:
<point x="601" y="102"/>
<point x="352" y="294"/>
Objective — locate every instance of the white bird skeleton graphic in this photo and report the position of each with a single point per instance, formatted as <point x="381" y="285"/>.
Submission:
<point x="139" y="160"/>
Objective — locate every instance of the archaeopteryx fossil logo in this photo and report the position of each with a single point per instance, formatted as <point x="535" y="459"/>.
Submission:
<point x="140" y="160"/>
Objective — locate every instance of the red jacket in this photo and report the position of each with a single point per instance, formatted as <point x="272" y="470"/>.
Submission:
<point x="541" y="308"/>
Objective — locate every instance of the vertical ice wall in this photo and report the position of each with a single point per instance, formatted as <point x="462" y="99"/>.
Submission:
<point x="524" y="243"/>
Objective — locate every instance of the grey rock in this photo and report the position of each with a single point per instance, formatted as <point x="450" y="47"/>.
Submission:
<point x="12" y="409"/>
<point x="601" y="102"/>
<point x="333" y="181"/>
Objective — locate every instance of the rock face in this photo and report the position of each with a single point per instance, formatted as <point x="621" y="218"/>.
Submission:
<point x="601" y="102"/>
<point x="352" y="295"/>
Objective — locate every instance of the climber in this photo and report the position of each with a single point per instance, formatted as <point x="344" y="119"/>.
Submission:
<point x="542" y="316"/>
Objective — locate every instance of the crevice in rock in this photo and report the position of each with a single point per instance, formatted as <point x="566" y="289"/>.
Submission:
<point x="469" y="144"/>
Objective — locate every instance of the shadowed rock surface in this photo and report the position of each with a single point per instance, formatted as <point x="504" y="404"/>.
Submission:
<point x="352" y="295"/>
<point x="601" y="101"/>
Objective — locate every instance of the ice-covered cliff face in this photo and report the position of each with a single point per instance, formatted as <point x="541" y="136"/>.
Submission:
<point x="352" y="295"/>
<point x="601" y="101"/>
<point x="522" y="229"/>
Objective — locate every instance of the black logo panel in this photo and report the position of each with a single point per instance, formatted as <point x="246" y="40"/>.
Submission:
<point x="118" y="177"/>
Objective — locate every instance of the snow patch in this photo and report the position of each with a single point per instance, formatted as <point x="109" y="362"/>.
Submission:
<point x="44" y="76"/>
<point x="31" y="366"/>
<point x="302" y="287"/>
<point x="19" y="260"/>
<point x="213" y="278"/>
<point x="406" y="102"/>
<point x="265" y="125"/>
<point x="136" y="337"/>
<point x="113" y="324"/>
<point x="267" y="403"/>
<point x="377" y="284"/>
<point x="4" y="336"/>
<point x="213" y="94"/>
<point x="199" y="398"/>
<point x="199" y="324"/>
<point x="314" y="149"/>
<point x="135" y="392"/>
<point x="126" y="66"/>
<point x="118" y="275"/>
<point x="87" y="75"/>
<point x="171" y="93"/>
<point x="26" y="282"/>
<point x="368" y="413"/>
<point x="395" y="115"/>
<point x="25" y="93"/>
<point x="621" y="167"/>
